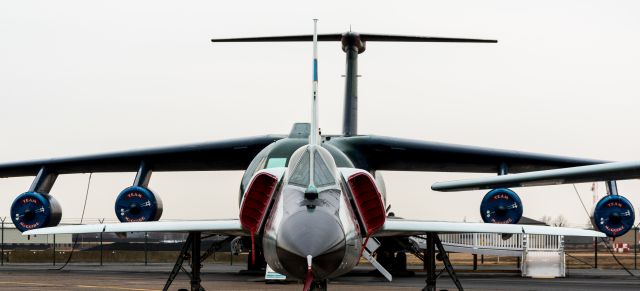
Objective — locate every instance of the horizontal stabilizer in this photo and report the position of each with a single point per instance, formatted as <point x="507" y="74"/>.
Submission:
<point x="393" y="227"/>
<point x="582" y="174"/>
<point x="363" y="36"/>
<point x="227" y="226"/>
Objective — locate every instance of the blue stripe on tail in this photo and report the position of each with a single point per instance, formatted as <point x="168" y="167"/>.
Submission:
<point x="315" y="69"/>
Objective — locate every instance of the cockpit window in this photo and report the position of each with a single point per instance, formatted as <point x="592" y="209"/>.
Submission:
<point x="276" y="162"/>
<point x="300" y="175"/>
<point x="322" y="176"/>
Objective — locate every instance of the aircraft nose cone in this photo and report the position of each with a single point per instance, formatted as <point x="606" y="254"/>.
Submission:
<point x="314" y="233"/>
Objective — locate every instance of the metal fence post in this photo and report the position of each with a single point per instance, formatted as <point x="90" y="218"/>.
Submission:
<point x="146" y="238"/>
<point x="635" y="248"/>
<point x="595" y="252"/>
<point x="2" y="243"/>
<point x="101" y="244"/>
<point x="54" y="249"/>
<point x="475" y="262"/>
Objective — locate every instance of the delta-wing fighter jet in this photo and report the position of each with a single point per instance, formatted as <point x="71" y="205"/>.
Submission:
<point x="308" y="202"/>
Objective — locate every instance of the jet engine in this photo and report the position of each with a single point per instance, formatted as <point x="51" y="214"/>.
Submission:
<point x="31" y="210"/>
<point x="137" y="204"/>
<point x="613" y="215"/>
<point x="501" y="205"/>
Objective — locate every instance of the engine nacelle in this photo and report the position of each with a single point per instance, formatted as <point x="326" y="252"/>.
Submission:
<point x="31" y="210"/>
<point x="613" y="215"/>
<point x="501" y="205"/>
<point x="137" y="204"/>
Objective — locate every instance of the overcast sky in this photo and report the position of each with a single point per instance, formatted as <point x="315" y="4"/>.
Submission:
<point x="79" y="77"/>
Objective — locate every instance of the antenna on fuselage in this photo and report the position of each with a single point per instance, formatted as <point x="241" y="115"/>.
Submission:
<point x="315" y="131"/>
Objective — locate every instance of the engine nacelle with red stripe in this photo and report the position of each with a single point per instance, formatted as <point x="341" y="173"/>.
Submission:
<point x="366" y="198"/>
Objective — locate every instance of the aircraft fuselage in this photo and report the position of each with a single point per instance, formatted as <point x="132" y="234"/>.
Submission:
<point x="323" y="226"/>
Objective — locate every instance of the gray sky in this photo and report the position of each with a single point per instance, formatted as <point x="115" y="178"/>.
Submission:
<point x="80" y="77"/>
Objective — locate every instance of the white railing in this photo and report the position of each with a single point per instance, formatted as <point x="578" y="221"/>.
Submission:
<point x="542" y="255"/>
<point x="515" y="242"/>
<point x="541" y="242"/>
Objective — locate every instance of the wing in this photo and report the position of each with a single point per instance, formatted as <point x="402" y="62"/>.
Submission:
<point x="232" y="154"/>
<point x="226" y="226"/>
<point x="592" y="173"/>
<point x="397" y="154"/>
<point x="405" y="227"/>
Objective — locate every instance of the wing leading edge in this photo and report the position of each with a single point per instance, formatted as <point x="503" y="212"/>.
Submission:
<point x="232" y="154"/>
<point x="225" y="226"/>
<point x="592" y="173"/>
<point x="400" y="227"/>
<point x="397" y="154"/>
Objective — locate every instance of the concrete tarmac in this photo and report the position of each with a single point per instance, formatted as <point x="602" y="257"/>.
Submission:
<point x="225" y="277"/>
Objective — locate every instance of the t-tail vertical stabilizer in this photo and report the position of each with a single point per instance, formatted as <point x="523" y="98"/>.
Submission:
<point x="353" y="44"/>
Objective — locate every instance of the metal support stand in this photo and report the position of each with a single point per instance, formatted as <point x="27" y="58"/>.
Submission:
<point x="475" y="262"/>
<point x="595" y="252"/>
<point x="191" y="251"/>
<point x="430" y="263"/>
<point x="2" y="243"/>
<point x="433" y="241"/>
<point x="195" y="261"/>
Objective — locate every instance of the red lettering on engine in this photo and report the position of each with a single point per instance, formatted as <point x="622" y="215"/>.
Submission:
<point x="614" y="231"/>
<point x="30" y="226"/>
<point x="134" y="195"/>
<point x="508" y="221"/>
<point x="501" y="196"/>
<point x="29" y="200"/>
<point x="141" y="219"/>
<point x="614" y="204"/>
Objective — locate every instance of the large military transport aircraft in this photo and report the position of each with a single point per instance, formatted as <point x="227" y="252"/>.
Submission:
<point x="309" y="203"/>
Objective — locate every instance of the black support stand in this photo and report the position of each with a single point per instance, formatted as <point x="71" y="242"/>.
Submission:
<point x="195" y="261"/>
<point x="191" y="252"/>
<point x="432" y="242"/>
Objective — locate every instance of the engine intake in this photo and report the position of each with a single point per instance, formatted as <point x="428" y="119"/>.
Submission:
<point x="138" y="204"/>
<point x="613" y="215"/>
<point x="31" y="210"/>
<point x="501" y="205"/>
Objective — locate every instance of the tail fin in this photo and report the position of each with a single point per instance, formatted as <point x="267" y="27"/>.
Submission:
<point x="315" y="131"/>
<point x="352" y="44"/>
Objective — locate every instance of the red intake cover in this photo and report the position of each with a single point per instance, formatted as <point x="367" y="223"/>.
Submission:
<point x="368" y="201"/>
<point x="256" y="201"/>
